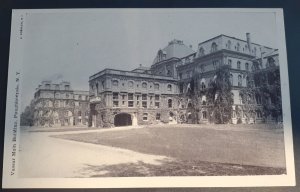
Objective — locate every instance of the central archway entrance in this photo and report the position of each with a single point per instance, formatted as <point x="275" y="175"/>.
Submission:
<point x="122" y="119"/>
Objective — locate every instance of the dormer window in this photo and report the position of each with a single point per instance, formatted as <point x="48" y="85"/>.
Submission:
<point x="47" y="86"/>
<point x="214" y="47"/>
<point x="238" y="47"/>
<point x="271" y="62"/>
<point x="67" y="87"/>
<point x="229" y="44"/>
<point x="169" y="72"/>
<point x="201" y="52"/>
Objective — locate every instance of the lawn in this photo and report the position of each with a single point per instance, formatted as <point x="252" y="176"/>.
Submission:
<point x="254" y="147"/>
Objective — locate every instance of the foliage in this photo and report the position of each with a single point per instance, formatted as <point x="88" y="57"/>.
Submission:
<point x="27" y="116"/>
<point x="219" y="96"/>
<point x="266" y="85"/>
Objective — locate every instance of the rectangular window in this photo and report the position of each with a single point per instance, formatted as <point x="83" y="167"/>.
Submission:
<point x="181" y="88"/>
<point x="115" y="96"/>
<point x="130" y="96"/>
<point x="156" y="97"/>
<point x="130" y="103"/>
<point x="144" y="104"/>
<point x="157" y="116"/>
<point x="115" y="103"/>
<point x="145" y="116"/>
<point x="156" y="104"/>
<point x="144" y="97"/>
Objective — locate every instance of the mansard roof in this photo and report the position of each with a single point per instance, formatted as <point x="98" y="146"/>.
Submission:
<point x="175" y="49"/>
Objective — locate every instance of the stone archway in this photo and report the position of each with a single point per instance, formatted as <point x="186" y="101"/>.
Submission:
<point x="122" y="119"/>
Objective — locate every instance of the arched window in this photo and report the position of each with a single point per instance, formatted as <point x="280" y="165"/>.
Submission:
<point x="169" y="87"/>
<point x="241" y="98"/>
<point x="238" y="47"/>
<point x="258" y="114"/>
<point x="229" y="44"/>
<point x="130" y="83"/>
<point x="115" y="83"/>
<point x="240" y="80"/>
<point x="156" y="86"/>
<point x="170" y="103"/>
<point x="169" y="72"/>
<point x="144" y="85"/>
<point x="258" y="99"/>
<point x="204" y="115"/>
<point x="214" y="47"/>
<point x="271" y="62"/>
<point x="97" y="88"/>
<point x="230" y="63"/>
<point x="159" y="55"/>
<point x="231" y="79"/>
<point x="103" y="84"/>
<point x="247" y="81"/>
<point x="203" y="85"/>
<point x="247" y="66"/>
<point x="238" y="65"/>
<point x="201" y="51"/>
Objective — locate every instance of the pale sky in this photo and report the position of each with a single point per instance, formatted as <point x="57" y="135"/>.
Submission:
<point x="72" y="46"/>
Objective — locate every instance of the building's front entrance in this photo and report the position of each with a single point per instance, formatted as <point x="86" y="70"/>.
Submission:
<point x="122" y="119"/>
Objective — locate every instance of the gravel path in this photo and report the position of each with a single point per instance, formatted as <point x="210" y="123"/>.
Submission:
<point x="43" y="156"/>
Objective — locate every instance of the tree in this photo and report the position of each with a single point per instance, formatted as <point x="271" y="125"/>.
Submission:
<point x="248" y="95"/>
<point x="27" y="116"/>
<point x="219" y="97"/>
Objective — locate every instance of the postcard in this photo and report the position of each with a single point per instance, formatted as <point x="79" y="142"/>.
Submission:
<point x="147" y="98"/>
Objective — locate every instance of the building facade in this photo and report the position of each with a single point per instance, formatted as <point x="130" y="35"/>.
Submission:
<point x="159" y="94"/>
<point x="174" y="89"/>
<point x="57" y="104"/>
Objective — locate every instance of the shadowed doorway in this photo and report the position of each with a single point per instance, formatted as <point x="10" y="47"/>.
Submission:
<point x="123" y="119"/>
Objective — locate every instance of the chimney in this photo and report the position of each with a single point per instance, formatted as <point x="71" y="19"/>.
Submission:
<point x="191" y="46"/>
<point x="249" y="42"/>
<point x="140" y="65"/>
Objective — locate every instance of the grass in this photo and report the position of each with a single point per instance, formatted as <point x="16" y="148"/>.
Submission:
<point x="180" y="168"/>
<point x="257" y="148"/>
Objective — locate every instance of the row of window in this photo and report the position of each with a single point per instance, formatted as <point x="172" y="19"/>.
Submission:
<point x="57" y="87"/>
<point x="238" y="65"/>
<point x="115" y="83"/>
<point x="237" y="47"/>
<point x="216" y="64"/>
<point x="154" y="101"/>
<point x="258" y="114"/>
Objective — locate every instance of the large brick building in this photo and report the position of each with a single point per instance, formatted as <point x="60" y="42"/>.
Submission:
<point x="157" y="94"/>
<point x="57" y="104"/>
